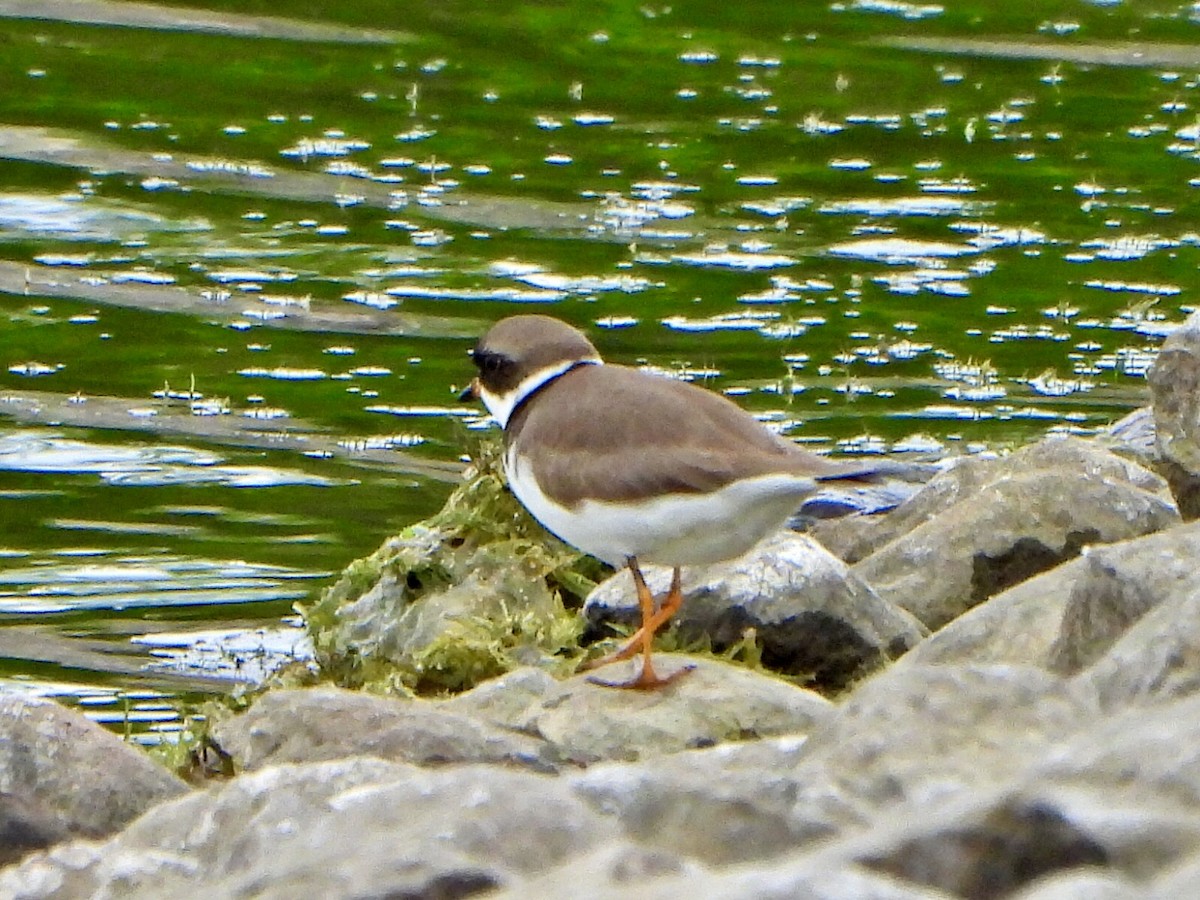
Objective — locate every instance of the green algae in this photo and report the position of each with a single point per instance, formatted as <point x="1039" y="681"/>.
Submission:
<point x="476" y="590"/>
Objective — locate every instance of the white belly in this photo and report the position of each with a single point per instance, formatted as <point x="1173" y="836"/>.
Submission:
<point x="672" y="530"/>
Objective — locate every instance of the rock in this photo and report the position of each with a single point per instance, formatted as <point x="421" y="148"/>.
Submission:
<point x="716" y="806"/>
<point x="1008" y="531"/>
<point x="809" y="615"/>
<point x="921" y="731"/>
<point x="981" y="850"/>
<point x="508" y="699"/>
<point x="1174" y="381"/>
<point x="436" y="610"/>
<point x="1006" y="781"/>
<point x="63" y="774"/>
<point x="1110" y="796"/>
<point x="525" y="719"/>
<point x="1142" y="767"/>
<point x="469" y="593"/>
<point x="355" y="827"/>
<point x="1180" y="881"/>
<point x="855" y="538"/>
<point x="587" y="723"/>
<point x="619" y="868"/>
<point x="24" y="826"/>
<point x="912" y="736"/>
<point x="1067" y="618"/>
<point x="1158" y="658"/>
<point x="1080" y="884"/>
<point x="1019" y="626"/>
<point x="780" y="881"/>
<point x="328" y="723"/>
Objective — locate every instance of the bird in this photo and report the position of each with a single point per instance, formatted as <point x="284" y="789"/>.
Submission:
<point x="634" y="468"/>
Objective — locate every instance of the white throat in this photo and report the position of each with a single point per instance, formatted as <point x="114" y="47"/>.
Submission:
<point x="501" y="406"/>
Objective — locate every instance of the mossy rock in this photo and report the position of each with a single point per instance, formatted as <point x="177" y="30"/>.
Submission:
<point x="474" y="591"/>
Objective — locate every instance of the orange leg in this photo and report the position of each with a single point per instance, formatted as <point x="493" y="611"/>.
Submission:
<point x="643" y="639"/>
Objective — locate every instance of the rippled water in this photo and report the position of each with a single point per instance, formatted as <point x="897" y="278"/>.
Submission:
<point x="241" y="260"/>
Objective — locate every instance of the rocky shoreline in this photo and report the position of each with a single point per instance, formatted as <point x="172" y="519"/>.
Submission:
<point x="1001" y="700"/>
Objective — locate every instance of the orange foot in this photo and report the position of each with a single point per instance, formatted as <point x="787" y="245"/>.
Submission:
<point x="643" y="638"/>
<point x="644" y="680"/>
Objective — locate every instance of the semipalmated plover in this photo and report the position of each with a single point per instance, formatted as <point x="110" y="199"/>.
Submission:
<point x="631" y="467"/>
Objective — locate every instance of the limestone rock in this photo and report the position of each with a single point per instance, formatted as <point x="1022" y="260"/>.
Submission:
<point x="1133" y="434"/>
<point x="1067" y="618"/>
<point x="916" y="731"/>
<point x="619" y="868"/>
<point x="716" y="806"/>
<point x="355" y="827"/>
<point x="63" y="774"/>
<point x="913" y="736"/>
<point x="856" y="538"/>
<point x="810" y="616"/>
<point x="1004" y="533"/>
<point x="1080" y="884"/>
<point x="786" y="880"/>
<point x="982" y="849"/>
<point x="1156" y="659"/>
<point x="1182" y="880"/>
<point x="586" y="723"/>
<point x="1174" y="381"/>
<point x="26" y="825"/>
<point x="328" y="723"/>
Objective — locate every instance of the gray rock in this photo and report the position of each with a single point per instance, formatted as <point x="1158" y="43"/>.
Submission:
<point x="586" y="723"/>
<point x="1009" y="531"/>
<point x="978" y="844"/>
<point x="1119" y="584"/>
<point x="471" y="592"/>
<point x="730" y="804"/>
<point x="779" y="881"/>
<point x="1174" y="381"/>
<point x="327" y="723"/>
<point x="856" y="538"/>
<point x="915" y="737"/>
<point x="525" y="719"/>
<point x="349" y="828"/>
<point x="1004" y="781"/>
<point x="1158" y="658"/>
<point x="810" y="616"/>
<point x="1118" y="793"/>
<point x="508" y="699"/>
<point x="981" y="848"/>
<point x="25" y="825"/>
<point x="1179" y="881"/>
<point x="916" y="732"/>
<point x="63" y="774"/>
<point x="616" y="869"/>
<point x="1133" y="779"/>
<point x="1067" y="618"/>
<point x="1081" y="884"/>
<point x="1016" y="627"/>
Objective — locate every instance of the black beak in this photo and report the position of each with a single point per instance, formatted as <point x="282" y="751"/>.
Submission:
<point x="470" y="392"/>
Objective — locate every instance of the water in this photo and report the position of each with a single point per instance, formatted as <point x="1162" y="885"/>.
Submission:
<point x="241" y="261"/>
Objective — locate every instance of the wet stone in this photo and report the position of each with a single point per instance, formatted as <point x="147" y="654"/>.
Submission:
<point x="810" y="615"/>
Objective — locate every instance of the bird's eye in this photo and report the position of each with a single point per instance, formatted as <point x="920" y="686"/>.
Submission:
<point x="489" y="363"/>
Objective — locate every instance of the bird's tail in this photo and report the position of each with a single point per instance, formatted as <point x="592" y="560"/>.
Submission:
<point x="879" y="470"/>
